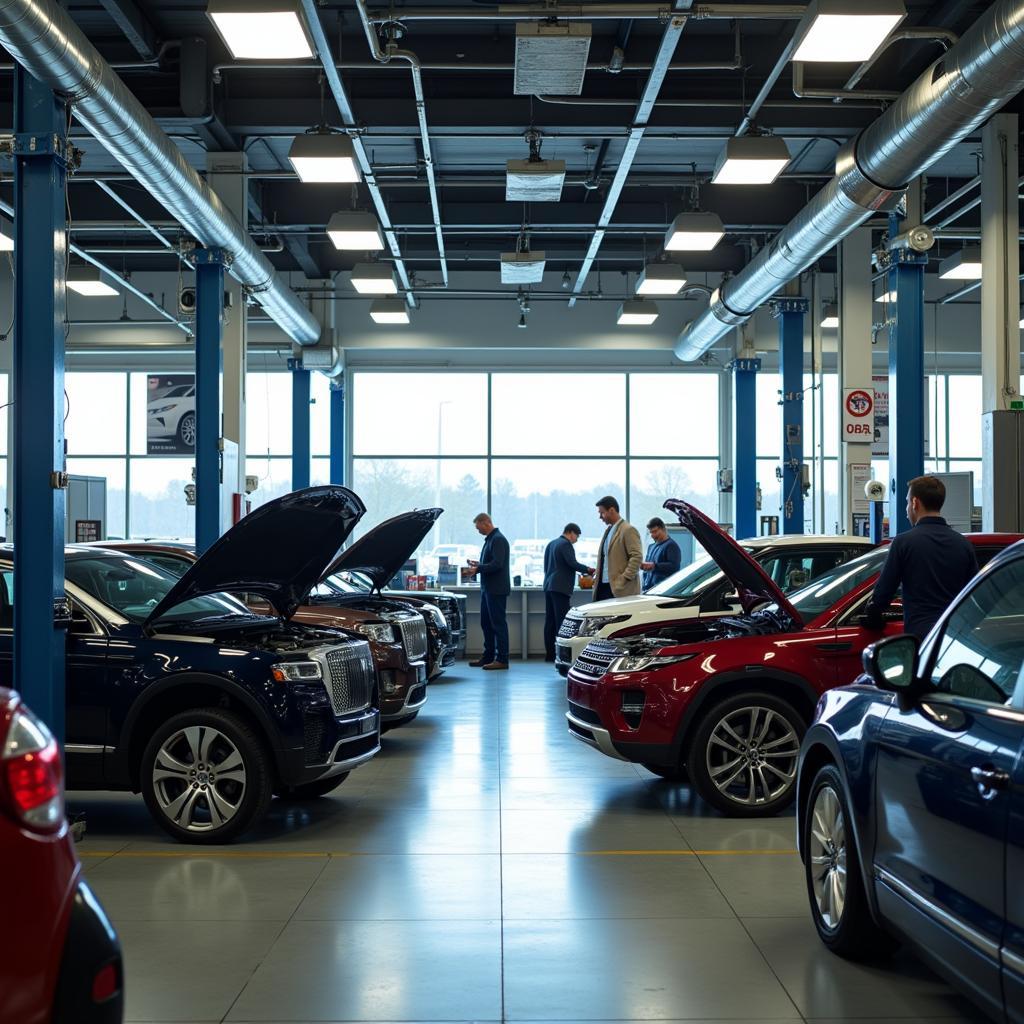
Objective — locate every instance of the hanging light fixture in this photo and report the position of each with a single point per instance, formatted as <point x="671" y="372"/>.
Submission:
<point x="351" y="229"/>
<point x="661" y="279"/>
<point x="324" y="157"/>
<point x="964" y="265"/>
<point x="751" y="160"/>
<point x="694" y="232"/>
<point x="88" y="281"/>
<point x="374" y="279"/>
<point x="261" y="29"/>
<point x="637" y="313"/>
<point x="830" y="316"/>
<point x="389" y="311"/>
<point x="889" y="295"/>
<point x="837" y="31"/>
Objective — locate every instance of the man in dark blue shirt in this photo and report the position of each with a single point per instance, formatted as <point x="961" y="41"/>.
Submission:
<point x="495" y="586"/>
<point x="663" y="555"/>
<point x="932" y="563"/>
<point x="560" y="568"/>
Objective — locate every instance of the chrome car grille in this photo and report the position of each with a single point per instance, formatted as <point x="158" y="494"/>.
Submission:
<point x="595" y="658"/>
<point x="414" y="637"/>
<point x="450" y="610"/>
<point x="570" y="627"/>
<point x="349" y="676"/>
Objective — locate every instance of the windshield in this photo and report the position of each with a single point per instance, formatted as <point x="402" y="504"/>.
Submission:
<point x="690" y="581"/>
<point x="134" y="587"/>
<point x="817" y="597"/>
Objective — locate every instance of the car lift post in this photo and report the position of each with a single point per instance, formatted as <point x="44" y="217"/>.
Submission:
<point x="41" y="609"/>
<point x="790" y="312"/>
<point x="209" y="327"/>
<point x="300" y="424"/>
<point x="338" y="431"/>
<point x="744" y="434"/>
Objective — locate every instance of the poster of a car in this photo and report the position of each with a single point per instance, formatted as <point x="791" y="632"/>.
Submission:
<point x="171" y="414"/>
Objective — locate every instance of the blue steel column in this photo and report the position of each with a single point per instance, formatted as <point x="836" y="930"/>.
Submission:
<point x="39" y="479"/>
<point x="744" y="439"/>
<point x="209" y="327"/>
<point x="300" y="425"/>
<point x="790" y="313"/>
<point x="338" y="431"/>
<point x="906" y="381"/>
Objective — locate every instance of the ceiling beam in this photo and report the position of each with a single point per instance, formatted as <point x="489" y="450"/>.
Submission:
<point x="135" y="26"/>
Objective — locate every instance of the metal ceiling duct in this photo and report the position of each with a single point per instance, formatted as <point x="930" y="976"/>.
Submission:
<point x="957" y="94"/>
<point x="41" y="36"/>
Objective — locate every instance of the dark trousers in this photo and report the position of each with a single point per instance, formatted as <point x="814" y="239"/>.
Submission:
<point x="604" y="592"/>
<point x="495" y="626"/>
<point x="556" y="606"/>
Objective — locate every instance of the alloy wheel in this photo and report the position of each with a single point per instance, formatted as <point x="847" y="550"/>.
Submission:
<point x="199" y="778"/>
<point x="752" y="756"/>
<point x="188" y="430"/>
<point x="827" y="853"/>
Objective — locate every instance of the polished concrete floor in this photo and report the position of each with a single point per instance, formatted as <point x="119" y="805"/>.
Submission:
<point x="485" y="867"/>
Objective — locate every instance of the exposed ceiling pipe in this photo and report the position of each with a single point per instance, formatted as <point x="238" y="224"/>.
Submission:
<point x="41" y="36"/>
<point x="588" y="12"/>
<point x="928" y="34"/>
<point x="642" y="114"/>
<point x="348" y="115"/>
<point x="966" y="208"/>
<point x="836" y="95"/>
<point x="955" y="96"/>
<point x="384" y="57"/>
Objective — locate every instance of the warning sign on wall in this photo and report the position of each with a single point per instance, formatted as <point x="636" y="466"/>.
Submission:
<point x="858" y="415"/>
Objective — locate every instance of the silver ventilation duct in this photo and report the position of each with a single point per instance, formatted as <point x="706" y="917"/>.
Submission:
<point x="41" y="36"/>
<point x="957" y="94"/>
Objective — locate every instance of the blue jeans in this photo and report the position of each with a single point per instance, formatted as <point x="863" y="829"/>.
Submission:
<point x="495" y="626"/>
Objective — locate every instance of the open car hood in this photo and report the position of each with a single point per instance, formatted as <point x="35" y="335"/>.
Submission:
<point x="382" y="552"/>
<point x="279" y="551"/>
<point x="753" y="585"/>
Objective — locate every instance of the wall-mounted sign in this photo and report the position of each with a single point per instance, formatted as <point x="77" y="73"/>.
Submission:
<point x="88" y="530"/>
<point x="858" y="421"/>
<point x="171" y="414"/>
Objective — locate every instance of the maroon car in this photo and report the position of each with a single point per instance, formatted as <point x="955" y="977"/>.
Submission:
<point x="725" y="703"/>
<point x="61" y="959"/>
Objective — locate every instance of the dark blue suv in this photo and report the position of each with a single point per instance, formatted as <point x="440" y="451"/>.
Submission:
<point x="911" y="797"/>
<point x="176" y="689"/>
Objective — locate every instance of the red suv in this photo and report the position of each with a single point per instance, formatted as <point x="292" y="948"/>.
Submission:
<point x="725" y="703"/>
<point x="62" y="960"/>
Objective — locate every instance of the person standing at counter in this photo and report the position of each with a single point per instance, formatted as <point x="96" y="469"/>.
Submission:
<point x="560" y="568"/>
<point x="495" y="586"/>
<point x="663" y="556"/>
<point x="619" y="556"/>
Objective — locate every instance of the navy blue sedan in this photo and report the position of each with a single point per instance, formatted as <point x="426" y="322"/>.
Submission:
<point x="911" y="797"/>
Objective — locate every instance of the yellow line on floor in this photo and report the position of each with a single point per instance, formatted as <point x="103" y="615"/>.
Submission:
<point x="327" y="854"/>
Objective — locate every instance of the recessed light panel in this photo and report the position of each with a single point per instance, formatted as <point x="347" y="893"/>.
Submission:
<point x="261" y="29"/>
<point x="838" y="31"/>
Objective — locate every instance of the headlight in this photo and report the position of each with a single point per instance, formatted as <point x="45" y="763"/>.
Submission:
<point x="382" y="633"/>
<point x="160" y="409"/>
<point x="643" y="662"/>
<point x="593" y="624"/>
<point x="296" y="672"/>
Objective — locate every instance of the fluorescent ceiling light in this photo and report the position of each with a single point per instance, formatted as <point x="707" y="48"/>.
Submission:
<point x="88" y="281"/>
<point x="389" y="311"/>
<point x="534" y="181"/>
<point x="964" y="265"/>
<point x="355" y="230"/>
<point x="661" y="279"/>
<point x="374" y="279"/>
<point x="324" y="157"/>
<point x="830" y="317"/>
<point x="694" y="232"/>
<point x="887" y="296"/>
<point x="838" y="31"/>
<point x="637" y="313"/>
<point x="261" y="29"/>
<point x="751" y="160"/>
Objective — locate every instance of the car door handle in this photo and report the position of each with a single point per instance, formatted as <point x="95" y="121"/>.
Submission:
<point x="990" y="780"/>
<point x="834" y="647"/>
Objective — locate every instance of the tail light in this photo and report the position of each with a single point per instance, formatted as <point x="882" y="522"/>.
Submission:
<point x="31" y="778"/>
<point x="106" y="984"/>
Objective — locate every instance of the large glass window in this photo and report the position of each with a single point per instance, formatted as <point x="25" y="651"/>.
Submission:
<point x="97" y="411"/>
<point x="664" y="409"/>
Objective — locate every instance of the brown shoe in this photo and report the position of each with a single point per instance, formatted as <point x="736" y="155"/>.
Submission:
<point x="496" y="666"/>
<point x="479" y="663"/>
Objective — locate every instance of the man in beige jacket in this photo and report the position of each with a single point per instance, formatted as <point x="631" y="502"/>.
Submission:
<point x="619" y="556"/>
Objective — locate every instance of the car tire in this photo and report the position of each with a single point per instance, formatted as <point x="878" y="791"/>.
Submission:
<point x="676" y="773"/>
<point x="187" y="430"/>
<point x="311" y="790"/>
<point x="835" y="885"/>
<point x="180" y="783"/>
<point x="740" y="778"/>
<point x="397" y="723"/>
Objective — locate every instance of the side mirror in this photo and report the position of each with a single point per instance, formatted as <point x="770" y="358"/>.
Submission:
<point x="892" y="663"/>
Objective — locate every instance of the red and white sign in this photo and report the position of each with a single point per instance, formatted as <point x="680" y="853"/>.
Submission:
<point x="858" y="415"/>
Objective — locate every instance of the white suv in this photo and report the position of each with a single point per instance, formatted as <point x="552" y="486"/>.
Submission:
<point x="701" y="589"/>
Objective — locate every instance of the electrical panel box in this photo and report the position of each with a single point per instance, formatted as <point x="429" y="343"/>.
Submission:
<point x="1002" y="499"/>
